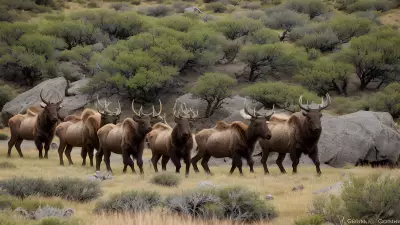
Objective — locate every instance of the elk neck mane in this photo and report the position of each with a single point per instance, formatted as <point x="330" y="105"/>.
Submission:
<point x="221" y="125"/>
<point x="132" y="126"/>
<point x="87" y="113"/>
<point x="161" y="126"/>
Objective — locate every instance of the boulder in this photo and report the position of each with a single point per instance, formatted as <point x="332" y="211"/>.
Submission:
<point x="31" y="97"/>
<point x="361" y="135"/>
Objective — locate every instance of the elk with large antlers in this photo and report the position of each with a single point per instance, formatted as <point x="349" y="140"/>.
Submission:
<point x="175" y="143"/>
<point x="37" y="126"/>
<point x="126" y="138"/>
<point x="295" y="134"/>
<point x="236" y="140"/>
<point x="83" y="132"/>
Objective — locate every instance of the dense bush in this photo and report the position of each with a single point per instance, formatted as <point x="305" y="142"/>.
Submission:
<point x="311" y="7"/>
<point x="285" y="19"/>
<point x="230" y="49"/>
<point x="371" y="5"/>
<point x="264" y="36"/>
<point x="370" y="198"/>
<point x="388" y="100"/>
<point x="129" y="202"/>
<point x="325" y="41"/>
<point x="6" y="94"/>
<point x="251" y="5"/>
<point x="282" y="95"/>
<point x="10" y="202"/>
<point x="166" y="179"/>
<point x="120" y="6"/>
<point x="326" y="75"/>
<point x="343" y="105"/>
<point x="67" y="188"/>
<point x="236" y="28"/>
<point x="310" y="220"/>
<point x="158" y="10"/>
<point x="217" y="7"/>
<point x="213" y="88"/>
<point x="348" y="26"/>
<point x="178" y="23"/>
<point x="271" y="60"/>
<point x="234" y="203"/>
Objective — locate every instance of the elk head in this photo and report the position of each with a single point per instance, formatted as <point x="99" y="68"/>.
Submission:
<point x="182" y="117"/>
<point x="313" y="113"/>
<point x="258" y="123"/>
<point x="145" y="120"/>
<point x="51" y="109"/>
<point x="108" y="116"/>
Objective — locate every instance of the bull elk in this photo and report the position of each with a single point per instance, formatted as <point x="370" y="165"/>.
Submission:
<point x="81" y="131"/>
<point x="126" y="138"/>
<point x="37" y="126"/>
<point x="173" y="143"/>
<point x="235" y="141"/>
<point x="295" y="134"/>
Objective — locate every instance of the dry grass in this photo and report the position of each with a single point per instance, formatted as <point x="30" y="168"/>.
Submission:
<point x="290" y="205"/>
<point x="391" y="18"/>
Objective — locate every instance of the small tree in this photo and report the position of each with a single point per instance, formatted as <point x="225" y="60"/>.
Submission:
<point x="388" y="100"/>
<point x="271" y="59"/>
<point x="236" y="28"/>
<point x="350" y="26"/>
<point x="375" y="57"/>
<point x="282" y="95"/>
<point x="264" y="36"/>
<point x="326" y="75"/>
<point x="213" y="88"/>
<point x="311" y="7"/>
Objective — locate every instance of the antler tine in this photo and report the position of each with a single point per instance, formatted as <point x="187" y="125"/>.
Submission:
<point x="118" y="110"/>
<point x="133" y="108"/>
<point x="326" y="103"/>
<point x="245" y="108"/>
<point x="301" y="104"/>
<point x="98" y="103"/>
<point x="273" y="111"/>
<point x="160" y="111"/>
<point x="41" y="97"/>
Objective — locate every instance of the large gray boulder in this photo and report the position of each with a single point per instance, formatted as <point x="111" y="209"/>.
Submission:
<point x="31" y="97"/>
<point x="362" y="135"/>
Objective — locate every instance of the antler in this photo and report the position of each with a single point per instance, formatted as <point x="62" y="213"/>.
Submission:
<point x="324" y="104"/>
<point x="152" y="114"/>
<point x="41" y="97"/>
<point x="303" y="107"/>
<point x="48" y="102"/>
<point x="255" y="114"/>
<point x="134" y="111"/>
<point x="188" y="113"/>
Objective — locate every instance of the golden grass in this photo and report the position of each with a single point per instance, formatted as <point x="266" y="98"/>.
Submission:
<point x="391" y="18"/>
<point x="290" y="205"/>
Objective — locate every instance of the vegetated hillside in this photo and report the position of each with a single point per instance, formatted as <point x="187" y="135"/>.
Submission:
<point x="141" y="50"/>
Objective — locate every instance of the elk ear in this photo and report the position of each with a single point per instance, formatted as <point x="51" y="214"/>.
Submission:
<point x="42" y="104"/>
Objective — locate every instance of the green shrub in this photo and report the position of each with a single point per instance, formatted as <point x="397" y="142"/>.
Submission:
<point x="166" y="179"/>
<point x="158" y="10"/>
<point x="343" y="105"/>
<point x="370" y="198"/>
<point x="3" y="137"/>
<point x="313" y="54"/>
<point x="129" y="202"/>
<point x="6" y="94"/>
<point x="311" y="7"/>
<point x="93" y="5"/>
<point x="234" y="203"/>
<point x="285" y="19"/>
<point x="209" y="1"/>
<point x="310" y="220"/>
<point x="388" y="100"/>
<point x="217" y="7"/>
<point x="251" y="5"/>
<point x="371" y="5"/>
<point x="28" y="204"/>
<point x="324" y="41"/>
<point x="120" y="6"/>
<point x="7" y="164"/>
<point x="67" y="188"/>
<point x="6" y="218"/>
<point x="135" y="2"/>
<point x="264" y="36"/>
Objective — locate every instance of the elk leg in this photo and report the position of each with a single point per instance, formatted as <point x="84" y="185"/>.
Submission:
<point x="236" y="162"/>
<point x="18" y="147"/>
<point x="314" y="157"/>
<point x="264" y="159"/>
<point x="99" y="156"/>
<point x="196" y="159"/>
<point x="204" y="163"/>
<point x="61" y="149"/>
<point x="107" y="155"/>
<point x="46" y="149"/>
<point x="154" y="160"/>
<point x="187" y="162"/>
<point x="177" y="162"/>
<point x="295" y="157"/>
<point x="279" y="161"/>
<point x="250" y="162"/>
<point x="164" y="161"/>
<point x="39" y="146"/>
<point x="83" y="155"/>
<point x="68" y="150"/>
<point x="11" y="143"/>
<point x="139" y="162"/>
<point x="90" y="153"/>
<point x="126" y="158"/>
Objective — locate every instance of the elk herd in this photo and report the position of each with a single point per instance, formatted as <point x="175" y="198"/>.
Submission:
<point x="99" y="129"/>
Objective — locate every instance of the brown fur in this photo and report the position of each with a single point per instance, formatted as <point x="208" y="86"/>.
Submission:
<point x="235" y="141"/>
<point x="175" y="143"/>
<point x="37" y="125"/>
<point x="126" y="138"/>
<point x="291" y="136"/>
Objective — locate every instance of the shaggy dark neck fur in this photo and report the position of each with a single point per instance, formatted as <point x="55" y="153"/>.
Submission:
<point x="43" y="124"/>
<point x="309" y="138"/>
<point x="251" y="138"/>
<point x="176" y="138"/>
